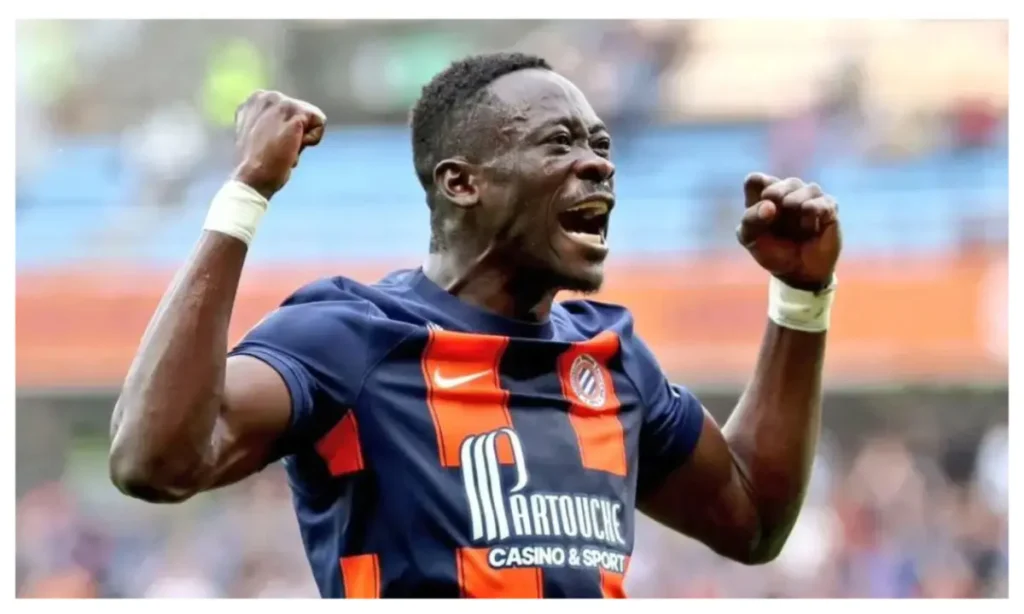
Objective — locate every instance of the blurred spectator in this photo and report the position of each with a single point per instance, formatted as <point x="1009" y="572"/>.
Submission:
<point x="638" y="58"/>
<point x="974" y="124"/>
<point x="794" y="143"/>
<point x="842" y="109"/>
<point x="883" y="528"/>
<point x="167" y="148"/>
<point x="992" y="469"/>
<point x="163" y="154"/>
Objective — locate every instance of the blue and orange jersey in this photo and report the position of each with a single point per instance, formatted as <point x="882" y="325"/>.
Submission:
<point x="440" y="450"/>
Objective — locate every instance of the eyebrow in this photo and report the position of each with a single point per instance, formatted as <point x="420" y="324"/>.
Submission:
<point x="573" y="122"/>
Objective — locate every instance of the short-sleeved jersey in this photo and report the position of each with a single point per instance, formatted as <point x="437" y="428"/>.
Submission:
<point x="440" y="450"/>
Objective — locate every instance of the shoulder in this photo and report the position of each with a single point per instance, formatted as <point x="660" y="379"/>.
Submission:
<point x="343" y="298"/>
<point x="334" y="301"/>
<point x="339" y="290"/>
<point x="325" y="338"/>
<point x="329" y="313"/>
<point x="590" y="318"/>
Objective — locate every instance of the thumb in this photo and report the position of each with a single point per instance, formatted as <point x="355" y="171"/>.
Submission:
<point x="754" y="185"/>
<point x="756" y="221"/>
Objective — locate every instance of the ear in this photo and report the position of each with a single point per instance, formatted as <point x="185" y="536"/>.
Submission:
<point x="457" y="181"/>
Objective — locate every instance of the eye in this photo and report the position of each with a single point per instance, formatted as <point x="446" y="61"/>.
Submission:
<point x="602" y="145"/>
<point x="561" y="138"/>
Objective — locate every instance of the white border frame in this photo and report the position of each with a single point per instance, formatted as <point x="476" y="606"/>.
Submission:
<point x="409" y="9"/>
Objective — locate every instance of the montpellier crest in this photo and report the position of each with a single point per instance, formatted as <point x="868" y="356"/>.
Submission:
<point x="587" y="381"/>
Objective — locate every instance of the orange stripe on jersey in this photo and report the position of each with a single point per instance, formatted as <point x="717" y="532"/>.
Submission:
<point x="477" y="579"/>
<point x="612" y="583"/>
<point x="340" y="447"/>
<point x="464" y="391"/>
<point x="593" y="412"/>
<point x="360" y="575"/>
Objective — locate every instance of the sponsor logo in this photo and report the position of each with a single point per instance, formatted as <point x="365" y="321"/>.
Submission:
<point x="500" y="510"/>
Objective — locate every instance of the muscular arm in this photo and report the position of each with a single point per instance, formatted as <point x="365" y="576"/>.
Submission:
<point x="741" y="490"/>
<point x="189" y="418"/>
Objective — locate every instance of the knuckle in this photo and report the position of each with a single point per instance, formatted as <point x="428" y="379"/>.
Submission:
<point x="265" y="98"/>
<point x="782" y="187"/>
<point x="271" y="100"/>
<point x="312" y="111"/>
<point x="300" y="108"/>
<point x="258" y="100"/>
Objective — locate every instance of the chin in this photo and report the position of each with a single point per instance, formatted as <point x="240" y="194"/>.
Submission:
<point x="577" y="264"/>
<point x="585" y="279"/>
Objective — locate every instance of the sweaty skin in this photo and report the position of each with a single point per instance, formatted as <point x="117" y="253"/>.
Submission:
<point x="189" y="419"/>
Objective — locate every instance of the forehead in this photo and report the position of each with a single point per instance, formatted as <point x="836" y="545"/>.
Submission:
<point x="536" y="97"/>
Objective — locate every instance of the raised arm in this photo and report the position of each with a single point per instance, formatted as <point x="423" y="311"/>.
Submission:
<point x="188" y="418"/>
<point x="742" y="486"/>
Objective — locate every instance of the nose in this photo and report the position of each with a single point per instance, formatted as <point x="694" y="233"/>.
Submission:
<point x="592" y="167"/>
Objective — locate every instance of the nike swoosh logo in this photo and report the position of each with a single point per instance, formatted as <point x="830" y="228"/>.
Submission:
<point x="453" y="382"/>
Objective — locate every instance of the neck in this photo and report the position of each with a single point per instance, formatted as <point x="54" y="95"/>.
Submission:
<point x="475" y="280"/>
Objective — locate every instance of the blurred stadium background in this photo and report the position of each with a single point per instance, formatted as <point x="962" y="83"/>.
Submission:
<point x="124" y="133"/>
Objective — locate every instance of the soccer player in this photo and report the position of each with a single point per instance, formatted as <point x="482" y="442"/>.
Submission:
<point x="451" y="431"/>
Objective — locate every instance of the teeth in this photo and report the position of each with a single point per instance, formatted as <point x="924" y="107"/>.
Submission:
<point x="586" y="237"/>
<point x="592" y="208"/>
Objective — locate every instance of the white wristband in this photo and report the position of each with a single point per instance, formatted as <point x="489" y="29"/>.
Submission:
<point x="236" y="211"/>
<point x="800" y="309"/>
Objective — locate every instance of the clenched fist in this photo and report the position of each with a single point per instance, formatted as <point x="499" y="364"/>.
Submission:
<point x="791" y="229"/>
<point x="271" y="130"/>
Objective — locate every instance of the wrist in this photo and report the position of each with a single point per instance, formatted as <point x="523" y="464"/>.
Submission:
<point x="249" y="175"/>
<point x="807" y="310"/>
<point x="236" y="211"/>
<point x="809" y="285"/>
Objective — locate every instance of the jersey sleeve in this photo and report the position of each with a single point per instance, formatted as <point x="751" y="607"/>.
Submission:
<point x="673" y="417"/>
<point x="320" y="349"/>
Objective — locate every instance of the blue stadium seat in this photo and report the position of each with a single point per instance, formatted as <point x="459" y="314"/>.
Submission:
<point x="356" y="197"/>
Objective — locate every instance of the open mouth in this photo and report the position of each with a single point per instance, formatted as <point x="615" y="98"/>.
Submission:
<point x="586" y="222"/>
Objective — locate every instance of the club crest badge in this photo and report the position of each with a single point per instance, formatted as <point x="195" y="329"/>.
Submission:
<point x="587" y="381"/>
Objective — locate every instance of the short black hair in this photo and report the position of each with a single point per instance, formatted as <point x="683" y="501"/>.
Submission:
<point x="439" y="119"/>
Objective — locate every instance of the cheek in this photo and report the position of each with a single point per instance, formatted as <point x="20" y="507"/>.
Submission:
<point x="509" y="216"/>
<point x="556" y="168"/>
<point x="534" y="218"/>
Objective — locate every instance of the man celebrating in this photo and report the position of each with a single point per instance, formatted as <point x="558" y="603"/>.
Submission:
<point x="451" y="431"/>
